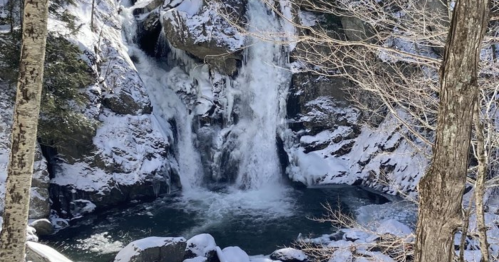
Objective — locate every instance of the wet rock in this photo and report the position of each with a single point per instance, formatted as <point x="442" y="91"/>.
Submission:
<point x="43" y="227"/>
<point x="153" y="249"/>
<point x="149" y="29"/>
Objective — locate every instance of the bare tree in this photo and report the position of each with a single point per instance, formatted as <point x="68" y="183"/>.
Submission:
<point x="26" y="112"/>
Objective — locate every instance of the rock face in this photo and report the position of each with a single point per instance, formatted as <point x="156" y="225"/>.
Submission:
<point x="39" y="201"/>
<point x="160" y="249"/>
<point x="198" y="28"/>
<point x="128" y="157"/>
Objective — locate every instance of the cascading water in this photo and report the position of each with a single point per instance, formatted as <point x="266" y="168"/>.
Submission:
<point x="260" y="89"/>
<point x="167" y="105"/>
<point x="263" y="85"/>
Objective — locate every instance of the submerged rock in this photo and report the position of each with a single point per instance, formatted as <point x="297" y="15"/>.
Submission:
<point x="161" y="249"/>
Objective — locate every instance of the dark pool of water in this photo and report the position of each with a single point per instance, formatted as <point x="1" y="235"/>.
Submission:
<point x="256" y="222"/>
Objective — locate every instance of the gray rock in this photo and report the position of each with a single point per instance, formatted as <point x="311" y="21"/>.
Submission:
<point x="153" y="249"/>
<point x="216" y="41"/>
<point x="43" y="227"/>
<point x="355" y="29"/>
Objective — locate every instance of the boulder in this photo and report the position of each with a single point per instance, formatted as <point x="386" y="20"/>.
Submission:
<point x="36" y="252"/>
<point x="230" y="254"/>
<point x="202" y="245"/>
<point x="289" y="255"/>
<point x="355" y="29"/>
<point x="201" y="31"/>
<point x="154" y="249"/>
<point x="43" y="227"/>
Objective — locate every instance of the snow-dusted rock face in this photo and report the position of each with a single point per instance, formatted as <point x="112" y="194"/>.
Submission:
<point x="199" y="28"/>
<point x="129" y="157"/>
<point x="332" y="142"/>
<point x="40" y="203"/>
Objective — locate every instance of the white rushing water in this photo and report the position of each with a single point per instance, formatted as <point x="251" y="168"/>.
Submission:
<point x="261" y="89"/>
<point x="263" y="85"/>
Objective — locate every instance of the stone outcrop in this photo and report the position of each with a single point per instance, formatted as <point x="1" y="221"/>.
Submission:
<point x="206" y="34"/>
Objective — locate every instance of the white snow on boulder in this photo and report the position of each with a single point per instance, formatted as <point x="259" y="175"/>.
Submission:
<point x="136" y="247"/>
<point x="341" y="256"/>
<point x="201" y="244"/>
<point x="393" y="227"/>
<point x="44" y="253"/>
<point x="289" y="254"/>
<point x="196" y="259"/>
<point x="232" y="254"/>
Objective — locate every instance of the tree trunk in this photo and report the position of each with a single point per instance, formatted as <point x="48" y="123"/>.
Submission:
<point x="441" y="189"/>
<point x="26" y="112"/>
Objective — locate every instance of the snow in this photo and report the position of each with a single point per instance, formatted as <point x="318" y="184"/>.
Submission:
<point x="50" y="254"/>
<point x="190" y="7"/>
<point x="196" y="259"/>
<point x="137" y="246"/>
<point x="287" y="254"/>
<point x="287" y="21"/>
<point x="371" y="215"/>
<point x="371" y="150"/>
<point x="307" y="18"/>
<point x="117" y="141"/>
<point x="201" y="244"/>
<point x="232" y="254"/>
<point x="393" y="227"/>
<point x="341" y="256"/>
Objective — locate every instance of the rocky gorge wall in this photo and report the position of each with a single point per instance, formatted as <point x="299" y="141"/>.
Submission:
<point x="131" y="156"/>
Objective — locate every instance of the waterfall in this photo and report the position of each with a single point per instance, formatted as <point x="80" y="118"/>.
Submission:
<point x="263" y="85"/>
<point x="257" y="96"/>
<point x="167" y="105"/>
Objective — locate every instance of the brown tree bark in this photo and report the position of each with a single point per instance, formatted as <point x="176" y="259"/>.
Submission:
<point x="441" y="189"/>
<point x="24" y="129"/>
